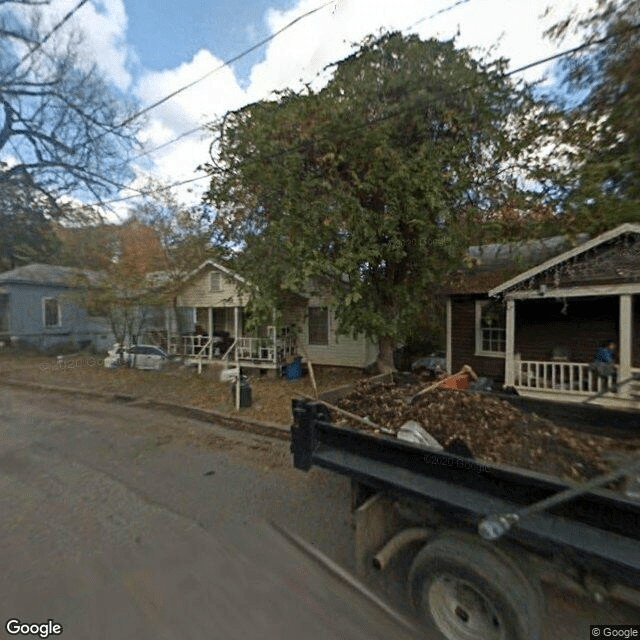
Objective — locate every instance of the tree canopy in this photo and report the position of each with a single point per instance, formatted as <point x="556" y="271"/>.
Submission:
<point x="142" y="261"/>
<point x="603" y="83"/>
<point x="369" y="189"/>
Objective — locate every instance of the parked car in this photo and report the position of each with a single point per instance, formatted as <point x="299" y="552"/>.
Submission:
<point x="435" y="364"/>
<point x="139" y="356"/>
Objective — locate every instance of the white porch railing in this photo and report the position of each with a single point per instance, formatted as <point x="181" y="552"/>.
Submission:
<point x="268" y="350"/>
<point x="271" y="349"/>
<point x="562" y="377"/>
<point x="194" y="345"/>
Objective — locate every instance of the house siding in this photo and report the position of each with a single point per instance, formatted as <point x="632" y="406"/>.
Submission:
<point x="341" y="350"/>
<point x="26" y="319"/>
<point x="541" y="326"/>
<point x="198" y="293"/>
<point x="463" y="340"/>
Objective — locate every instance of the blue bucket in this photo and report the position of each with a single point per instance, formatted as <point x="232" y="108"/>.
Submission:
<point x="294" y="370"/>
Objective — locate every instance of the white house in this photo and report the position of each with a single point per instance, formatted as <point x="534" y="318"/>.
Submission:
<point x="214" y="313"/>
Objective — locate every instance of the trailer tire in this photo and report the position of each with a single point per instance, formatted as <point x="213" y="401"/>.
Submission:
<point x="467" y="589"/>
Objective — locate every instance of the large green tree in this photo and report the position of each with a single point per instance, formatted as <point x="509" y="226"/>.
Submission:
<point x="370" y="188"/>
<point x="601" y="90"/>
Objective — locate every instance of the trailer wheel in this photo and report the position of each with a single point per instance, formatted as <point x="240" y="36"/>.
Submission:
<point x="467" y="589"/>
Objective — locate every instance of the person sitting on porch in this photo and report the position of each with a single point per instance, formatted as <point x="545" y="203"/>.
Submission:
<point x="603" y="363"/>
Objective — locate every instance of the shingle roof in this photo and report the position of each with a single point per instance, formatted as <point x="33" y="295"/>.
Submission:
<point x="47" y="274"/>
<point x="493" y="264"/>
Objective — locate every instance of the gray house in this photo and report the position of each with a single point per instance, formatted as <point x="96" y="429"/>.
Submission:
<point x="39" y="307"/>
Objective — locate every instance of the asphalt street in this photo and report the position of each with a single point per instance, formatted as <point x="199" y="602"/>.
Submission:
<point x="120" y="522"/>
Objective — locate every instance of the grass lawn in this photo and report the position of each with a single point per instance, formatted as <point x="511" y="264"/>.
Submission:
<point x="271" y="397"/>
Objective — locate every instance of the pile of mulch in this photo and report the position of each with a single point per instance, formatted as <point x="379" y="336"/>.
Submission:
<point x="494" y="430"/>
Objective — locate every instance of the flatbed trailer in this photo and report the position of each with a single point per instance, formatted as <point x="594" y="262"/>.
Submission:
<point x="427" y="507"/>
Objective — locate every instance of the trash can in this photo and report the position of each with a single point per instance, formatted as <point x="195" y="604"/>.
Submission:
<point x="245" y="393"/>
<point x="294" y="370"/>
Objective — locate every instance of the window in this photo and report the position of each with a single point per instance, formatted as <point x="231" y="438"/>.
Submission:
<point x="4" y="313"/>
<point x="491" y="331"/>
<point x="319" y="325"/>
<point x="51" y="310"/>
<point x="214" y="282"/>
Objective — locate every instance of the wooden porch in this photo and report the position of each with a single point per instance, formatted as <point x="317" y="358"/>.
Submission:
<point x="575" y="335"/>
<point x="576" y="382"/>
<point x="269" y="352"/>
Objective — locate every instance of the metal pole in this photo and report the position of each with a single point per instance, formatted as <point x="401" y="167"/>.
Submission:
<point x="495" y="526"/>
<point x="235" y="319"/>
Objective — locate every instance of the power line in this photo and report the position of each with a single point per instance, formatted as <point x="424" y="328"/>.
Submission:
<point x="40" y="44"/>
<point x="400" y="112"/>
<point x="168" y="143"/>
<point x="228" y="62"/>
<point x="202" y="127"/>
<point x="206" y="75"/>
<point x="439" y="12"/>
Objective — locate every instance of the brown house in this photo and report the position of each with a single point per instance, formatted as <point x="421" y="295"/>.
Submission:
<point x="532" y="316"/>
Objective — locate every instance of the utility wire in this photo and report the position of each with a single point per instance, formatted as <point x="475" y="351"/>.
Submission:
<point x="202" y="127"/>
<point x="437" y="13"/>
<point x="228" y="62"/>
<point x="399" y="112"/>
<point x="40" y="44"/>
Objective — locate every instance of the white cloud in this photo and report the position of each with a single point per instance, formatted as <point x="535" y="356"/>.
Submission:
<point x="104" y="25"/>
<point x="508" y="28"/>
<point x="191" y="108"/>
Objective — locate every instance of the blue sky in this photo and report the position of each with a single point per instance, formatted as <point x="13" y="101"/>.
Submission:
<point x="150" y="48"/>
<point x="165" y="34"/>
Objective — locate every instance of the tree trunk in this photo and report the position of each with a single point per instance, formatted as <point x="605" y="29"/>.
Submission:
<point x="386" y="348"/>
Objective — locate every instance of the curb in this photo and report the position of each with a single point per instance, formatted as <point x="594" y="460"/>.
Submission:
<point x="238" y="423"/>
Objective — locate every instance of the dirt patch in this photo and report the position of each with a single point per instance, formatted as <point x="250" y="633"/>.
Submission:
<point x="271" y="397"/>
<point x="494" y="430"/>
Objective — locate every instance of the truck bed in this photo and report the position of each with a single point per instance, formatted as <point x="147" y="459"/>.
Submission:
<point x="599" y="531"/>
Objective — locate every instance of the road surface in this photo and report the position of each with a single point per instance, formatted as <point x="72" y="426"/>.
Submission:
<point x="121" y="522"/>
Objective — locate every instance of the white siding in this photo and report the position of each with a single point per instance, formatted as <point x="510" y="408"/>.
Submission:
<point x="198" y="292"/>
<point x="341" y="351"/>
<point x="344" y="351"/>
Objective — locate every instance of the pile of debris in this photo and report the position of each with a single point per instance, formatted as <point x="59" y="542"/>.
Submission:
<point x="493" y="430"/>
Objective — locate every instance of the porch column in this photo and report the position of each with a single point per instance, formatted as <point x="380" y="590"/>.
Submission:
<point x="626" y="321"/>
<point x="274" y="317"/>
<point x="210" y="330"/>
<point x="509" y="370"/>
<point x="167" y="326"/>
<point x="449" y="341"/>
<point x="235" y="322"/>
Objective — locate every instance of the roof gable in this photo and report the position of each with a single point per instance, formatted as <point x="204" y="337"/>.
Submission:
<point x="212" y="264"/>
<point x="557" y="262"/>
<point x="491" y="264"/>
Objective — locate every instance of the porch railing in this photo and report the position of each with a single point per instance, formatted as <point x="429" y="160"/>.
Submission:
<point x="271" y="349"/>
<point x="194" y="345"/>
<point x="567" y="377"/>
